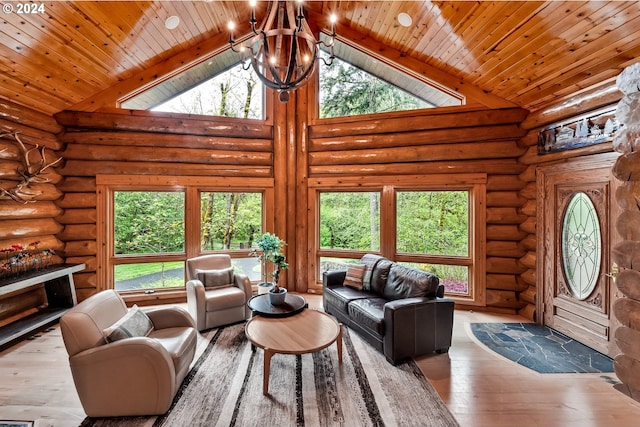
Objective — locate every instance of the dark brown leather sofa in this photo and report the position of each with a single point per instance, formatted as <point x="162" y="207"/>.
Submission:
<point x="399" y="310"/>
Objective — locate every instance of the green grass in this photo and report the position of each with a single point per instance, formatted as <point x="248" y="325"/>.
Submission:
<point x="131" y="271"/>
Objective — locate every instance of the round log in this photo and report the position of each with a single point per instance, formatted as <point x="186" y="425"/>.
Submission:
<point x="89" y="261"/>
<point x="504" y="183"/>
<point x="78" y="216"/>
<point x="77" y="184"/>
<point x="529" y="225"/>
<point x="530" y="208"/>
<point x="628" y="341"/>
<point x="504" y="248"/>
<point x="19" y="114"/>
<point x="529" y="260"/>
<point x="78" y="200"/>
<point x="529" y="243"/>
<point x="528" y="295"/>
<point x="78" y="232"/>
<point x="529" y="277"/>
<point x="504" y="299"/>
<point x="628" y="370"/>
<point x="510" y="215"/>
<point x="85" y="280"/>
<point x="628" y="225"/>
<point x="530" y="139"/>
<point x="93" y="168"/>
<point x="45" y="242"/>
<point x="14" y="210"/>
<point x="504" y="266"/>
<point x="528" y="312"/>
<point x="19" y="228"/>
<point x="628" y="282"/>
<point x="500" y="166"/>
<point x="627" y="311"/>
<point x="504" y="199"/>
<point x="504" y="233"/>
<point x="505" y="282"/>
<point x="529" y="174"/>
<point x="166" y="155"/>
<point x="627" y="254"/>
<point x="529" y="192"/>
<point x="80" y="248"/>
<point x="9" y="170"/>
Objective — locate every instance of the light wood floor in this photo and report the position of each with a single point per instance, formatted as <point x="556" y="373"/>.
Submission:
<point x="479" y="387"/>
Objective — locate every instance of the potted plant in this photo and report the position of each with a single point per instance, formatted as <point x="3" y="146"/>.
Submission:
<point x="277" y="294"/>
<point x="267" y="247"/>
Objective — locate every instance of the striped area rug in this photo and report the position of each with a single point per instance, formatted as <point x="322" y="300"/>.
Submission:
<point x="224" y="388"/>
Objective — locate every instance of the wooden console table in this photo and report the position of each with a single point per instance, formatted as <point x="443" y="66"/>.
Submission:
<point x="59" y="296"/>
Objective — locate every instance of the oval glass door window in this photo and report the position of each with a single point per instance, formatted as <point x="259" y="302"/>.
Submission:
<point x="581" y="245"/>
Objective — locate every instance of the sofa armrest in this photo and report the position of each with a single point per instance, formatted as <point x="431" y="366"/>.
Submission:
<point x="417" y="326"/>
<point x="196" y="302"/>
<point x="242" y="281"/>
<point x="170" y="317"/>
<point x="333" y="278"/>
<point x="137" y="367"/>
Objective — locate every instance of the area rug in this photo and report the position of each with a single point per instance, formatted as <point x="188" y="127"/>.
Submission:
<point x="224" y="388"/>
<point x="540" y="348"/>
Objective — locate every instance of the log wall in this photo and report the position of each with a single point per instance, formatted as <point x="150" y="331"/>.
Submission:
<point x="145" y="143"/>
<point x="443" y="141"/>
<point x="35" y="219"/>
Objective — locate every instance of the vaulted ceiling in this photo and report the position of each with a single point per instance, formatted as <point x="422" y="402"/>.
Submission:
<point x="61" y="55"/>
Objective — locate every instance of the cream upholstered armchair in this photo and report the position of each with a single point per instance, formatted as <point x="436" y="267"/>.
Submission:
<point x="215" y="294"/>
<point x="127" y="362"/>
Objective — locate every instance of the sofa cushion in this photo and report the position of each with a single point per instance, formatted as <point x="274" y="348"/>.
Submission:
<point x="215" y="278"/>
<point x="340" y="297"/>
<point x="180" y="343"/>
<point x="369" y="314"/>
<point x="405" y="282"/>
<point x="133" y="324"/>
<point x="355" y="275"/>
<point x="379" y="276"/>
<point x="222" y="298"/>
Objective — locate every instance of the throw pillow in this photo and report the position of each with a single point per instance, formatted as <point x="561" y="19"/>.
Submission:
<point x="355" y="274"/>
<point x="135" y="323"/>
<point x="215" y="278"/>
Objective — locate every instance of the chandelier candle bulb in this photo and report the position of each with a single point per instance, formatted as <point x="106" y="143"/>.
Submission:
<point x="283" y="51"/>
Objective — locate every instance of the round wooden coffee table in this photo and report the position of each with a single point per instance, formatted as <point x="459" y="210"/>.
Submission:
<point x="306" y="332"/>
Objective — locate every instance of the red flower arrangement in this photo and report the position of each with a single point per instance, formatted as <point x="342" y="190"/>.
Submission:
<point x="17" y="259"/>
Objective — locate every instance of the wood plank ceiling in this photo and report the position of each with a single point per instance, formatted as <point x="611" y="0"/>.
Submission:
<point x="528" y="53"/>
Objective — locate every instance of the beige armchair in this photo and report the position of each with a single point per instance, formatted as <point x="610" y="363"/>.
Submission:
<point x="140" y="372"/>
<point x="216" y="295"/>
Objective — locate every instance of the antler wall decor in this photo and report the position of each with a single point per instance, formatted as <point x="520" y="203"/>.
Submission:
<point x="31" y="171"/>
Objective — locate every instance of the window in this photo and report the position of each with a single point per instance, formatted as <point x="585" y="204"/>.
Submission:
<point x="357" y="83"/>
<point x="147" y="224"/>
<point x="230" y="221"/>
<point x="217" y="87"/>
<point x="436" y="226"/>
<point x="152" y="227"/>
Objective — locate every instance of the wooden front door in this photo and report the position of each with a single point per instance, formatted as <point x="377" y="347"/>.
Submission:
<point x="576" y="214"/>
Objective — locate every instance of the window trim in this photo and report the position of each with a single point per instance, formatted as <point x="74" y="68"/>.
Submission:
<point x="388" y="185"/>
<point x="106" y="185"/>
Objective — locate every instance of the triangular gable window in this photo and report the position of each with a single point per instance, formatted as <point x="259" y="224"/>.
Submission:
<point x="357" y="83"/>
<point x="217" y="87"/>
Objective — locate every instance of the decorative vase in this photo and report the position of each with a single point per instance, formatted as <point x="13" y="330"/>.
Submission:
<point x="277" y="298"/>
<point x="264" y="287"/>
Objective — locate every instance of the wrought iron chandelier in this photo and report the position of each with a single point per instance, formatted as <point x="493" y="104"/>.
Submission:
<point x="284" y="51"/>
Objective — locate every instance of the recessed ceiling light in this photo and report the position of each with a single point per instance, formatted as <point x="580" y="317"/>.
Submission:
<point x="404" y="19"/>
<point x="172" y="22"/>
